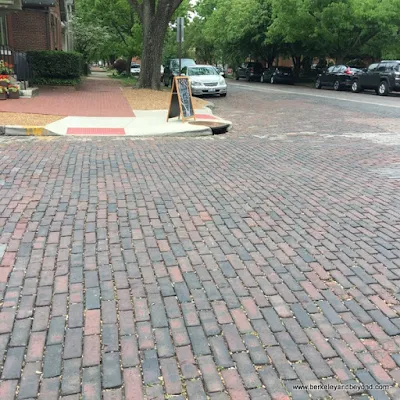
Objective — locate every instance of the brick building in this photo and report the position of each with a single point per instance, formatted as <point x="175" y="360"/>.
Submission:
<point x="36" y="27"/>
<point x="35" y="24"/>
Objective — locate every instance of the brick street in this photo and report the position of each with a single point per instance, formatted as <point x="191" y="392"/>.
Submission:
<point x="231" y="267"/>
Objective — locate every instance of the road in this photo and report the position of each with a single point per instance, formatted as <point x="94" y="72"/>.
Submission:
<point x="237" y="266"/>
<point x="270" y="109"/>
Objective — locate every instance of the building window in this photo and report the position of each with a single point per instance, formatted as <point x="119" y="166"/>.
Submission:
<point x="3" y="30"/>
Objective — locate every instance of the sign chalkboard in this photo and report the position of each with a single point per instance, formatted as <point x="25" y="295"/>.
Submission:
<point x="181" y="104"/>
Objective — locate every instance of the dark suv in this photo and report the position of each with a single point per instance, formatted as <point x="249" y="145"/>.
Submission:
<point x="171" y="69"/>
<point x="383" y="77"/>
<point x="252" y="71"/>
<point x="278" y="75"/>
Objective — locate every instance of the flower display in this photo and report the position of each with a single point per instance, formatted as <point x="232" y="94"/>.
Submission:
<point x="6" y="68"/>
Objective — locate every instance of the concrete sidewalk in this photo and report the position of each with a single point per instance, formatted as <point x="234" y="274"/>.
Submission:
<point x="99" y="107"/>
<point x="145" y="123"/>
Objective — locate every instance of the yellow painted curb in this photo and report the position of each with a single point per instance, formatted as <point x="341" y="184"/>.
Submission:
<point x="18" y="130"/>
<point x="34" y="130"/>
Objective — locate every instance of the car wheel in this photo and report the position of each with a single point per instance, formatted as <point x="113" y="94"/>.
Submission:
<point x="318" y="84"/>
<point x="272" y="80"/>
<point x="336" y="85"/>
<point x="355" y="87"/>
<point x="223" y="94"/>
<point x="383" y="89"/>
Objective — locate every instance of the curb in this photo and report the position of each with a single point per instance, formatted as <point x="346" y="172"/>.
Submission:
<point x="210" y="105"/>
<point x="204" y="132"/>
<point x="15" y="130"/>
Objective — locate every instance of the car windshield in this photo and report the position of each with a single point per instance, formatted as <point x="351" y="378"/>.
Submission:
<point x="285" y="69"/>
<point x="196" y="71"/>
<point x="185" y="62"/>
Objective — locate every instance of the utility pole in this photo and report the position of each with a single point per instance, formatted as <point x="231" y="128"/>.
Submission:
<point x="180" y="24"/>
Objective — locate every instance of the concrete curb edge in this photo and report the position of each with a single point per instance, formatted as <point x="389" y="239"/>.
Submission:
<point x="17" y="130"/>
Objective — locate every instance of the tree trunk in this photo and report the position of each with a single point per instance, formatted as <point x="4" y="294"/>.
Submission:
<point x="296" y="64"/>
<point x="150" y="68"/>
<point x="270" y="61"/>
<point x="154" y="28"/>
<point x="154" y="17"/>
<point x="340" y="59"/>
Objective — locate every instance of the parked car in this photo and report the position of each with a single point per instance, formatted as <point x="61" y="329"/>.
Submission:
<point x="206" y="79"/>
<point x="135" y="69"/>
<point x="278" y="75"/>
<point x="337" y="76"/>
<point x="171" y="69"/>
<point x="252" y="71"/>
<point x="162" y="73"/>
<point x="221" y="71"/>
<point x="383" y="77"/>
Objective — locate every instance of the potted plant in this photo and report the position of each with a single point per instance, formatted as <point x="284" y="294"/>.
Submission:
<point x="3" y="93"/>
<point x="13" y="92"/>
<point x="5" y="68"/>
<point x="4" y="82"/>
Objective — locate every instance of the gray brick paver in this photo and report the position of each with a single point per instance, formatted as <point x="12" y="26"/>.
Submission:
<point x="154" y="260"/>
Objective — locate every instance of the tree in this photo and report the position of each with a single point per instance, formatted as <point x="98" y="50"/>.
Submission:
<point x="236" y="29"/>
<point x="91" y="40"/>
<point x="155" y="16"/>
<point x="340" y="29"/>
<point x="119" y="19"/>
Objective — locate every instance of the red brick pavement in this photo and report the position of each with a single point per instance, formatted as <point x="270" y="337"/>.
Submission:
<point x="94" y="98"/>
<point x="233" y="269"/>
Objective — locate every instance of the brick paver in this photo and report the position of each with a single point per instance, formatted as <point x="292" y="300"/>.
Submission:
<point x="93" y="98"/>
<point x="231" y="268"/>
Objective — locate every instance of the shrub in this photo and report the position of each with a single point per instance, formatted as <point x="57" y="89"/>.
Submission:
<point x="54" y="82"/>
<point x="356" y="63"/>
<point x="121" y="65"/>
<point x="56" y="64"/>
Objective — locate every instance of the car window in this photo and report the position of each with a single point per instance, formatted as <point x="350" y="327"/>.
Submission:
<point x="336" y="69"/>
<point x="244" y="65"/>
<point x="330" y="69"/>
<point x="196" y="71"/>
<point x="382" y="67"/>
<point x="285" y="69"/>
<point x="185" y="62"/>
<point x="372" y="67"/>
<point x="397" y="68"/>
<point x="391" y="66"/>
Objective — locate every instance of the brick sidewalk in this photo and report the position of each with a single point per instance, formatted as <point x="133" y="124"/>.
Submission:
<point x="233" y="269"/>
<point x="94" y="98"/>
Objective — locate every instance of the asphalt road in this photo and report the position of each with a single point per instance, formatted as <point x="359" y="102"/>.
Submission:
<point x="240" y="266"/>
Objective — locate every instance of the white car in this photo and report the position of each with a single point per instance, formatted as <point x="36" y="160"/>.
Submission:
<point x="135" y="69"/>
<point x="205" y="79"/>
